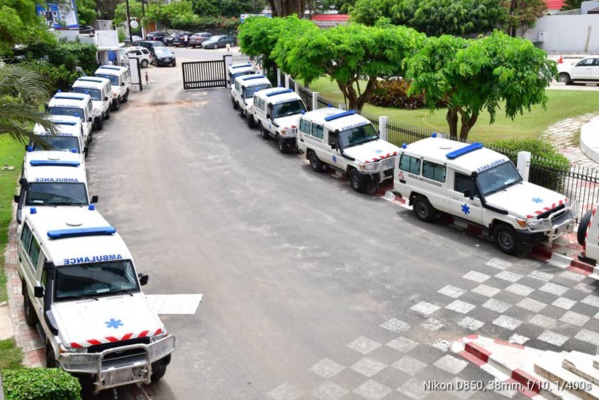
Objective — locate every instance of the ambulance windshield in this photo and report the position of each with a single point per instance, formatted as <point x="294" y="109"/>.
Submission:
<point x="89" y="280"/>
<point x="56" y="192"/>
<point x="56" y="143"/>
<point x="357" y="135"/>
<point x="497" y="178"/>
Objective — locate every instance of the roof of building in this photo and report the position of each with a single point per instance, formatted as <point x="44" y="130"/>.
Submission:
<point x="330" y="17"/>
<point x="554" y="4"/>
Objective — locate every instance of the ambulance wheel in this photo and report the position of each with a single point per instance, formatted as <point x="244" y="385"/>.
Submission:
<point x="99" y="124"/>
<point x="357" y="183"/>
<point x="251" y="121"/>
<point x="126" y="98"/>
<point x="583" y="226"/>
<point x="505" y="239"/>
<point x="423" y="209"/>
<point x="30" y="315"/>
<point x="107" y="114"/>
<point x="281" y="145"/>
<point x="116" y="104"/>
<point x="50" y="357"/>
<point x="158" y="371"/>
<point x="235" y="105"/>
<point x="315" y="163"/>
<point x="264" y="133"/>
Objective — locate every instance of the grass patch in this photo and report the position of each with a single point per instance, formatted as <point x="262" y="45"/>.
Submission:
<point x="11" y="153"/>
<point x="11" y="356"/>
<point x="530" y="125"/>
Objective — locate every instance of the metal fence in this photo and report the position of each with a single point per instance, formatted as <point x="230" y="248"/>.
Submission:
<point x="580" y="184"/>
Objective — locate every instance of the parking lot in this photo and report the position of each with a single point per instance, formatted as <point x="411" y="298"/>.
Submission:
<point x="310" y="289"/>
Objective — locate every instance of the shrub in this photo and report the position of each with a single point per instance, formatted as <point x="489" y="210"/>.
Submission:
<point x="40" y="384"/>
<point x="393" y="93"/>
<point x="57" y="77"/>
<point x="547" y="165"/>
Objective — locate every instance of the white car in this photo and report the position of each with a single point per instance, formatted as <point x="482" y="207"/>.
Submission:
<point x="483" y="188"/>
<point x="143" y="54"/>
<point x="242" y="93"/>
<point x="586" y="69"/>
<point x="349" y="143"/>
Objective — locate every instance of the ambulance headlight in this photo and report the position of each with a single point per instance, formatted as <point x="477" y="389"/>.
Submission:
<point x="158" y="337"/>
<point x="79" y="362"/>
<point x="161" y="348"/>
<point x="369" y="167"/>
<point x="73" y="350"/>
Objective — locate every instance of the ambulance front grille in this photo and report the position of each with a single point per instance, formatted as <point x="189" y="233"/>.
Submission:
<point x="547" y="214"/>
<point x="105" y="346"/>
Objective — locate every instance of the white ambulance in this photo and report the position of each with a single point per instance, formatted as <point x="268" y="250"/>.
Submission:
<point x="69" y="136"/>
<point x="52" y="186"/>
<point x="235" y="70"/>
<point x="74" y="105"/>
<point x="346" y="142"/>
<point x="81" y="285"/>
<point x="242" y="93"/>
<point x="100" y="91"/>
<point x="483" y="188"/>
<point x="276" y="113"/>
<point x="120" y="81"/>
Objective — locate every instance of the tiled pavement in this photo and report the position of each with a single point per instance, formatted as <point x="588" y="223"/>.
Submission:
<point x="526" y="302"/>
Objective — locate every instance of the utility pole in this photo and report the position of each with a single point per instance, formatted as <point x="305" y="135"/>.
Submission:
<point x="129" y="22"/>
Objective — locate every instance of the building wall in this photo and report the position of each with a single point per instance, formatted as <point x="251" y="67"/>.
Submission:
<point x="566" y="33"/>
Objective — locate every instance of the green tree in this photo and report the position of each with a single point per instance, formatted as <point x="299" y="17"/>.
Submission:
<point x="227" y="8"/>
<point x="86" y="11"/>
<point x="19" y="24"/>
<point x="283" y="8"/>
<point x="571" y="5"/>
<point x="368" y="12"/>
<point x="522" y="14"/>
<point x="489" y="74"/>
<point x="22" y="91"/>
<point x="354" y="56"/>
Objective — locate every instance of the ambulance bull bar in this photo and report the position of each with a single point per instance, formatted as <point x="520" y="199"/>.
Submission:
<point x="118" y="371"/>
<point x="557" y="224"/>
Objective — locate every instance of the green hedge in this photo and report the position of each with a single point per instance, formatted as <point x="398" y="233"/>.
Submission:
<point x="40" y="384"/>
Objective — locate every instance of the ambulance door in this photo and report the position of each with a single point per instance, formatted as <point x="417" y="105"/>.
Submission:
<point x="466" y="207"/>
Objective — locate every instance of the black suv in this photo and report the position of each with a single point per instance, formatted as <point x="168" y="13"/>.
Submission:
<point x="175" y="38"/>
<point x="150" y="45"/>
<point x="159" y="36"/>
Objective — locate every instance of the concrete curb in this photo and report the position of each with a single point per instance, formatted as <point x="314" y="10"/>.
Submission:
<point x="589" y="140"/>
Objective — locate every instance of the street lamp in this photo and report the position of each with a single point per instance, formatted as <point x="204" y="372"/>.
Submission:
<point x="129" y="22"/>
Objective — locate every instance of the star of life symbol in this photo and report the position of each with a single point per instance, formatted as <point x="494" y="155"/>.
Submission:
<point x="334" y="158"/>
<point x="465" y="209"/>
<point x="537" y="200"/>
<point x="113" y="323"/>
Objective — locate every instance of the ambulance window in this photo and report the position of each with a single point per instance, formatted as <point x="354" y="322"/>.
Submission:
<point x="305" y="126"/>
<point x="317" y="131"/>
<point x="26" y="237"/>
<point x="433" y="171"/>
<point x="409" y="164"/>
<point x="43" y="279"/>
<point x="463" y="182"/>
<point x="34" y="252"/>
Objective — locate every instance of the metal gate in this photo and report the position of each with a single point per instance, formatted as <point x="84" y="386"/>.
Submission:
<point x="204" y="74"/>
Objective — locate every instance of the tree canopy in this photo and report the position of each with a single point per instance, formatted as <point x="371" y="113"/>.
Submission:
<point x="522" y="14"/>
<point x="19" y="24"/>
<point x="86" y="11"/>
<point x="489" y="74"/>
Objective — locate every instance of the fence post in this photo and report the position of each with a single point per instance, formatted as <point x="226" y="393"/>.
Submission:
<point x="296" y="87"/>
<point x="383" y="127"/>
<point x="342" y="106"/>
<point x="314" y="101"/>
<point x="286" y="81"/>
<point x="278" y="77"/>
<point x="524" y="164"/>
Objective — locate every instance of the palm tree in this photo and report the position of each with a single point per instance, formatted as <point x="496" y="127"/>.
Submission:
<point x="22" y="91"/>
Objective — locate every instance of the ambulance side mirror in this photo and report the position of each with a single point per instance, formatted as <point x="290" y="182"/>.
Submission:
<point x="94" y="199"/>
<point x="22" y="181"/>
<point x="38" y="292"/>
<point x="468" y="193"/>
<point x="16" y="198"/>
<point x="143" y="279"/>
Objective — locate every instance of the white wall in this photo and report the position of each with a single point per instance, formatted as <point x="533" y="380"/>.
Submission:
<point x="567" y="33"/>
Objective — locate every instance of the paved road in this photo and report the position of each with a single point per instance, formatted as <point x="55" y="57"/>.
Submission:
<point x="310" y="290"/>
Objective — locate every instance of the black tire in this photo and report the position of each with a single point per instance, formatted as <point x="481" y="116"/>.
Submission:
<point x="30" y="315"/>
<point x="215" y="47"/>
<point x="565" y="78"/>
<point x="505" y="239"/>
<point x="251" y="122"/>
<point x="116" y="104"/>
<point x="174" y="63"/>
<point x="356" y="181"/>
<point x="158" y="371"/>
<point x="99" y="123"/>
<point x="242" y="113"/>
<point x="281" y="145"/>
<point x="126" y="98"/>
<point x="107" y="114"/>
<point x="583" y="226"/>
<point x="423" y="209"/>
<point x="50" y="357"/>
<point x="315" y="163"/>
<point x="235" y="104"/>
<point x="264" y="133"/>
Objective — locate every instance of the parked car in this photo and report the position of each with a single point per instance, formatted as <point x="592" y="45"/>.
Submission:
<point x="173" y="40"/>
<point x="144" y="55"/>
<point x="586" y="69"/>
<point x="164" y="56"/>
<point x="151" y="45"/>
<point x="83" y="29"/>
<point x="158" y="35"/>
<point x="124" y="57"/>
<point x="197" y="38"/>
<point x="178" y="41"/>
<point x="218" y="41"/>
<point x="136" y="39"/>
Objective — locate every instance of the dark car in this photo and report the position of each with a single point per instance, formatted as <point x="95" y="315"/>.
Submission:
<point x="151" y="45"/>
<point x="174" y="39"/>
<point x="159" y="36"/>
<point x="179" y="40"/>
<point x="87" y="29"/>
<point x="164" y="56"/>
<point x="197" y="38"/>
<point x="218" y="41"/>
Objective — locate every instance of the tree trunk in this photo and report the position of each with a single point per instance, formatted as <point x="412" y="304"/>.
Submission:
<point x="283" y="8"/>
<point x="357" y="101"/>
<point x="467" y="124"/>
<point x="452" y="120"/>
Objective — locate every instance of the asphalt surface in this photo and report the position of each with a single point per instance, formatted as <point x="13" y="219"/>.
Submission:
<point x="310" y="290"/>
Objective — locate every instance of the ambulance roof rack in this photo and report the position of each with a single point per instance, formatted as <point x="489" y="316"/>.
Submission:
<point x="64" y="122"/>
<point x="339" y="115"/>
<point x="91" y="79"/>
<point x="80" y="232"/>
<point x="250" y="77"/>
<point x="241" y="65"/>
<point x="277" y="92"/>
<point x="68" y="96"/>
<point x="110" y="67"/>
<point x="54" y="163"/>
<point x="464" y="150"/>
